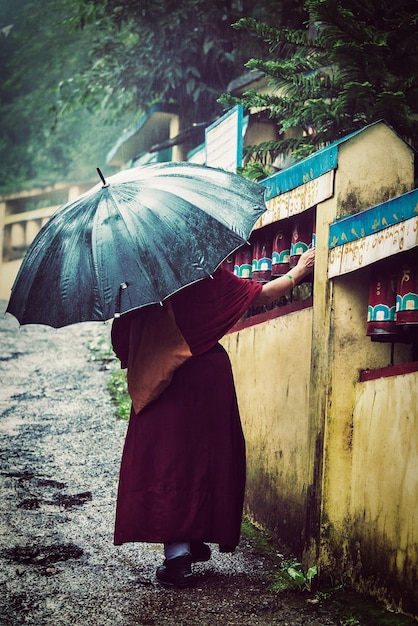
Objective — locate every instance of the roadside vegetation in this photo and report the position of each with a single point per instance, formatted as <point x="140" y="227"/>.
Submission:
<point x="289" y="578"/>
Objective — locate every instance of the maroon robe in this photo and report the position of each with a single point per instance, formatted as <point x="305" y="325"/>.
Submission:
<point x="182" y="475"/>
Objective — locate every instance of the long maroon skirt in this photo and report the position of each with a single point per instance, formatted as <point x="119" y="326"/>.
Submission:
<point x="182" y="474"/>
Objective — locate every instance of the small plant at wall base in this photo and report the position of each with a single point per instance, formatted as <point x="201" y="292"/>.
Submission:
<point x="117" y="387"/>
<point x="351" y="621"/>
<point x="291" y="577"/>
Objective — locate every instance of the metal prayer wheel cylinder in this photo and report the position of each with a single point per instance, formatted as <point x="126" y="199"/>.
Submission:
<point x="301" y="239"/>
<point x="261" y="262"/>
<point x="381" y="324"/>
<point x="280" y="254"/>
<point x="407" y="292"/>
<point x="243" y="262"/>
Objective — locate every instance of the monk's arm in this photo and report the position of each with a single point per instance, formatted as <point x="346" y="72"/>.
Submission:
<point x="281" y="285"/>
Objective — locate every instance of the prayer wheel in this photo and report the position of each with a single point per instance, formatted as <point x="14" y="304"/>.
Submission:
<point x="381" y="324"/>
<point x="262" y="252"/>
<point x="301" y="238"/>
<point x="280" y="252"/>
<point x="243" y="262"/>
<point x="407" y="292"/>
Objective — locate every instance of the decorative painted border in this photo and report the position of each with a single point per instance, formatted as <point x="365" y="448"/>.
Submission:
<point x="298" y="200"/>
<point x="366" y="250"/>
<point x="301" y="173"/>
<point x="373" y="220"/>
<point x="304" y="184"/>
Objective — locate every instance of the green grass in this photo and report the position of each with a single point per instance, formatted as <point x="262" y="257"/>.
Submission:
<point x="118" y="391"/>
<point x="117" y="387"/>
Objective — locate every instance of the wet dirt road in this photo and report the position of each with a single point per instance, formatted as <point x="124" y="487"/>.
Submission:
<point x="60" y="446"/>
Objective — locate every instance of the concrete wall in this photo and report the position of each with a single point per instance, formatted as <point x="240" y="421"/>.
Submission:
<point x="381" y="548"/>
<point x="372" y="168"/>
<point x="271" y="364"/>
<point x="333" y="462"/>
<point x="368" y="522"/>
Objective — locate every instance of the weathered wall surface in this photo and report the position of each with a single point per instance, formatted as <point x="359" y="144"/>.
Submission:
<point x="375" y="538"/>
<point x="271" y="363"/>
<point x="332" y="462"/>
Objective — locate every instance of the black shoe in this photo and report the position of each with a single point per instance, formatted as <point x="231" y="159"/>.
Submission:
<point x="200" y="551"/>
<point x="176" y="572"/>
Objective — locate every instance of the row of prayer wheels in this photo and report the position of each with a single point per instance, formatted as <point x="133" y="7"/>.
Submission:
<point x="273" y="251"/>
<point x="393" y="292"/>
<point x="393" y="297"/>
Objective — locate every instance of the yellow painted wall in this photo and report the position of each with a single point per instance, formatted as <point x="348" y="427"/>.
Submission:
<point x="271" y="363"/>
<point x="383" y="515"/>
<point x="318" y="439"/>
<point x="353" y="351"/>
<point x="8" y="273"/>
<point x="372" y="168"/>
<point x="19" y="226"/>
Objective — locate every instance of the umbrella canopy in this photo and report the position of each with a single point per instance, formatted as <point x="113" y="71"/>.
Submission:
<point x="133" y="240"/>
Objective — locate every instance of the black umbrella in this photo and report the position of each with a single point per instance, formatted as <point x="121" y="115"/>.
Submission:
<point x="133" y="240"/>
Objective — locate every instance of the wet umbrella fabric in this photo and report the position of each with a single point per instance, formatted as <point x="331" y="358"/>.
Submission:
<point x="132" y="241"/>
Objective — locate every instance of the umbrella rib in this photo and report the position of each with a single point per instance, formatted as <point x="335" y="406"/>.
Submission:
<point x="118" y="210"/>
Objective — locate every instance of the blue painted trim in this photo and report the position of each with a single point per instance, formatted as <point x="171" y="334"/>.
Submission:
<point x="315" y="165"/>
<point x="373" y="220"/>
<point x="310" y="168"/>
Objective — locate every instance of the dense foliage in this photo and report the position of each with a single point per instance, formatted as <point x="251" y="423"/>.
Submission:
<point x="355" y="62"/>
<point x="39" y="144"/>
<point x="76" y="72"/>
<point x="184" y="53"/>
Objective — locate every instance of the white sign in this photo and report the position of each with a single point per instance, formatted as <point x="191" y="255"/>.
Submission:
<point x="224" y="141"/>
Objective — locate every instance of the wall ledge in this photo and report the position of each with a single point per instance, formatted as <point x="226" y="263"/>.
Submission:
<point x="271" y="315"/>
<point x="390" y="370"/>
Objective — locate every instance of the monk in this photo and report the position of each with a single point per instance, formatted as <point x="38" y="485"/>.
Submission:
<point x="182" y="475"/>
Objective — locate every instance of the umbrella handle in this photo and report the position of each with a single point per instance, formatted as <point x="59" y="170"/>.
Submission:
<point x="122" y="286"/>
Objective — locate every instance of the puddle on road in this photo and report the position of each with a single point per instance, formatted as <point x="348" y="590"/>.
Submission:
<point x="43" y="555"/>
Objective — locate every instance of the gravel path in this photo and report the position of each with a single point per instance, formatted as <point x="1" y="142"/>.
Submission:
<point x="60" y="447"/>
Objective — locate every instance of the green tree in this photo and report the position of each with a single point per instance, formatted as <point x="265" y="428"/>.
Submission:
<point x="354" y="62"/>
<point x="82" y="70"/>
<point x="183" y="53"/>
<point x="39" y="145"/>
